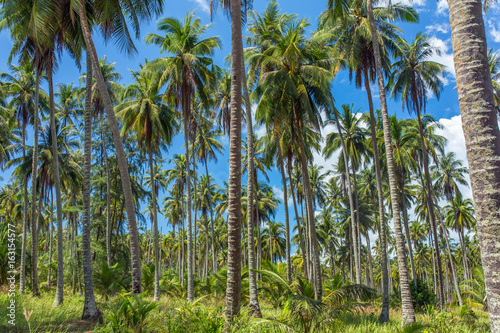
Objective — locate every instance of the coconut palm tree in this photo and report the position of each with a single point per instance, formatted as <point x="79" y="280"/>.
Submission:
<point x="183" y="73"/>
<point x="289" y="84"/>
<point x="111" y="16"/>
<point x="413" y="76"/>
<point x="408" y="312"/>
<point x="144" y="112"/>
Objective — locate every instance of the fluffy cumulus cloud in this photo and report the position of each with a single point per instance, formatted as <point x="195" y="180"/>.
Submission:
<point x="443" y="56"/>
<point x="452" y="131"/>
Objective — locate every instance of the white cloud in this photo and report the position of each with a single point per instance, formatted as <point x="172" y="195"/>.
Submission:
<point x="413" y="3"/>
<point x="278" y="191"/>
<point x="452" y="131"/>
<point x="444" y="56"/>
<point x="438" y="27"/>
<point x="202" y="4"/>
<point x="442" y="7"/>
<point x="494" y="30"/>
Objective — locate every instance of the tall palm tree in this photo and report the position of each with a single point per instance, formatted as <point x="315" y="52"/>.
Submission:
<point x="408" y="312"/>
<point x="412" y="77"/>
<point x="290" y="85"/>
<point x="111" y="17"/>
<point x="90" y="310"/>
<point x="185" y="72"/>
<point x="144" y="112"/>
<point x="23" y="88"/>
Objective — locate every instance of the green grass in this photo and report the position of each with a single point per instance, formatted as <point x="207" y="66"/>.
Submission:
<point x="206" y="315"/>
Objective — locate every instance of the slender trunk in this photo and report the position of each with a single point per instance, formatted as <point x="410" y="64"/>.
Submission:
<point x="357" y="265"/>
<point x="408" y="312"/>
<point x="35" y="234"/>
<point x="405" y="223"/>
<point x="155" y="226"/>
<point x="233" y="289"/>
<point x="297" y="219"/>
<point x="34" y="272"/>
<point x="384" y="315"/>
<point x="356" y="203"/>
<point x="370" y="262"/>
<point x="108" y="196"/>
<point x="57" y="184"/>
<point x="287" y="219"/>
<point x="120" y="154"/>
<point x="452" y="264"/>
<point x="430" y="205"/>
<point x="195" y="211"/>
<point x="214" y="258"/>
<point x="318" y="285"/>
<point x="90" y="310"/>
<point x="253" y="305"/>
<point x="190" y="264"/>
<point x="50" y="237"/>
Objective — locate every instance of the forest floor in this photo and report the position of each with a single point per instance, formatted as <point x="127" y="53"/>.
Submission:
<point x="206" y="315"/>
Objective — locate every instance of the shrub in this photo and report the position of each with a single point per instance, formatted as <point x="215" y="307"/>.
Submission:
<point x="421" y="295"/>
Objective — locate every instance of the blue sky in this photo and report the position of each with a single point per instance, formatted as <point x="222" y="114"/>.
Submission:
<point x="434" y="22"/>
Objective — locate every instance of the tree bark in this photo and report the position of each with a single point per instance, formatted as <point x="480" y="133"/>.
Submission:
<point x="90" y="310"/>
<point x="408" y="312"/>
<point x="233" y="289"/>
<point x="155" y="227"/>
<point x="34" y="273"/>
<point x="120" y="154"/>
<point x="108" y="196"/>
<point x="482" y="138"/>
<point x="287" y="219"/>
<point x="57" y="184"/>
<point x="253" y="305"/>
<point x="384" y="314"/>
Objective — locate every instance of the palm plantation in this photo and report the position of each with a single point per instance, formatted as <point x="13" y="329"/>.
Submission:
<point x="139" y="201"/>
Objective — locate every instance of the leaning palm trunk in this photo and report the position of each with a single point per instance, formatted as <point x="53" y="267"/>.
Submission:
<point x="430" y="205"/>
<point x="51" y="227"/>
<point x="57" y="184"/>
<point x="214" y="258"/>
<point x="482" y="138"/>
<point x="252" y="276"/>
<point x="357" y="264"/>
<point x="408" y="312"/>
<point x="384" y="314"/>
<point x="90" y="311"/>
<point x="233" y="289"/>
<point x="120" y="153"/>
<point x="34" y="272"/>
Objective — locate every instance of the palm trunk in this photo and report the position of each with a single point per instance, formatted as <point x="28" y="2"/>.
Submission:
<point x="190" y="265"/>
<point x="155" y="226"/>
<point x="408" y="312"/>
<point x="120" y="154"/>
<point x="287" y="219"/>
<point x="297" y="218"/>
<point x="214" y="258"/>
<point x="407" y="229"/>
<point x="34" y="273"/>
<point x="253" y="305"/>
<point x="57" y="184"/>
<point x="108" y="196"/>
<point x="357" y="264"/>
<point x="384" y="315"/>
<point x="430" y="205"/>
<point x="452" y="264"/>
<point x="233" y="289"/>
<point x="318" y="285"/>
<point x="49" y="282"/>
<point x="358" y="227"/>
<point x="90" y="310"/>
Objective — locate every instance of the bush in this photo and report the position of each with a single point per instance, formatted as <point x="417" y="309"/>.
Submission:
<point x="421" y="295"/>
